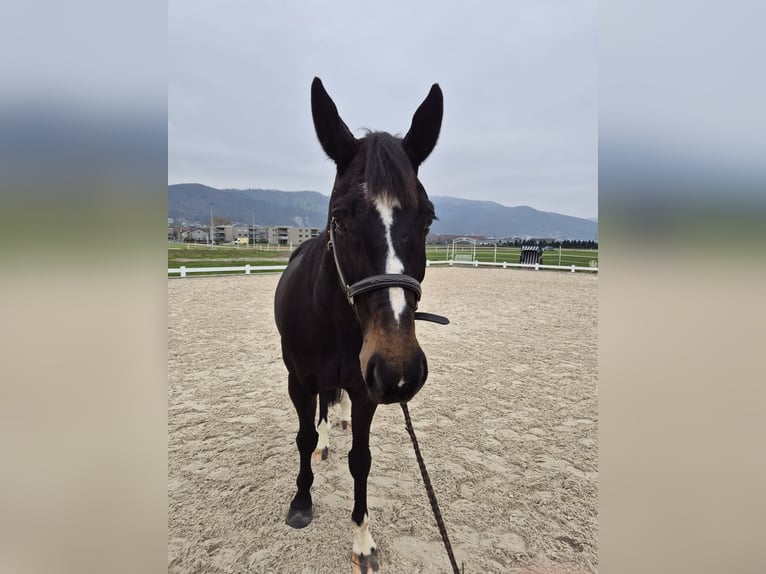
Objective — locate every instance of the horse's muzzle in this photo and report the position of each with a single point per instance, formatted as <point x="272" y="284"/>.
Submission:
<point x="387" y="383"/>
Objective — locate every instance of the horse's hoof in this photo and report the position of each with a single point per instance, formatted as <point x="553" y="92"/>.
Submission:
<point x="362" y="564"/>
<point x="318" y="455"/>
<point x="299" y="518"/>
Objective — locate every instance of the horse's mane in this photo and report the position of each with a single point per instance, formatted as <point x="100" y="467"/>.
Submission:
<point x="388" y="171"/>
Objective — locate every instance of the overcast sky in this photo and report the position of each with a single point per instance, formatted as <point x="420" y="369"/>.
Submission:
<point x="519" y="81"/>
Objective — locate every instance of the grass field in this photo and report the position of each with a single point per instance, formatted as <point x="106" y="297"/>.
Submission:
<point x="195" y="255"/>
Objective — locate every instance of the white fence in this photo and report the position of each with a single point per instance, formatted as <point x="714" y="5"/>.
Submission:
<point x="497" y="254"/>
<point x="249" y="269"/>
<point x="505" y="265"/>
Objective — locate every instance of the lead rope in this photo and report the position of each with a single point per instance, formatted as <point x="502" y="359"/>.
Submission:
<point x="430" y="490"/>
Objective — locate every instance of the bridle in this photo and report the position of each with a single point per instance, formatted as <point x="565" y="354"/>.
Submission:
<point x="375" y="282"/>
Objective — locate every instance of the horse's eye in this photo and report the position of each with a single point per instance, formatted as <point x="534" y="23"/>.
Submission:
<point x="339" y="225"/>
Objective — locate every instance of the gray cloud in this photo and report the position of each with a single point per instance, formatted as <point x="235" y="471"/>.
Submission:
<point x="519" y="81"/>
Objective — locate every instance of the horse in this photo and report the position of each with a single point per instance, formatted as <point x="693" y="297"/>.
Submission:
<point x="346" y="304"/>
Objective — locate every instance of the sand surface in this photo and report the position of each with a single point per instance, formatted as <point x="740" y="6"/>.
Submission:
<point x="507" y="423"/>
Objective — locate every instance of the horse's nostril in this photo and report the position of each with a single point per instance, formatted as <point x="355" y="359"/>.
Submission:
<point x="417" y="370"/>
<point x="372" y="375"/>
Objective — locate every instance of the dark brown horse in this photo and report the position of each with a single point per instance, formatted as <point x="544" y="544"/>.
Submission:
<point x="346" y="304"/>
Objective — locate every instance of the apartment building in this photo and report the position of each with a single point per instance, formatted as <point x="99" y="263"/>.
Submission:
<point x="229" y="233"/>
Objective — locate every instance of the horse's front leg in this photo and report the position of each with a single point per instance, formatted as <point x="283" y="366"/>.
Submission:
<point x="300" y="513"/>
<point x="365" y="557"/>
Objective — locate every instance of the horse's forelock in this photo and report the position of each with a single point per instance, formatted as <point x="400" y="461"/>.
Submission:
<point x="388" y="171"/>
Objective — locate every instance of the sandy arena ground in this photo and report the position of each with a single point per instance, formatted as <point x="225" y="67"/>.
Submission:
<point x="507" y="423"/>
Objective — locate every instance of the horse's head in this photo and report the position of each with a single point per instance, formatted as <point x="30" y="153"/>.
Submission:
<point x="380" y="215"/>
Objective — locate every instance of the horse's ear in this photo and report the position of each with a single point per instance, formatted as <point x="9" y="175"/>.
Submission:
<point x="426" y="124"/>
<point x="337" y="140"/>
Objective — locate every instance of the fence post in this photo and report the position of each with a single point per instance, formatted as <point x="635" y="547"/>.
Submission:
<point x="505" y="265"/>
<point x="183" y="271"/>
<point x="573" y="268"/>
<point x="247" y="269"/>
<point x="537" y="267"/>
<point x="428" y="263"/>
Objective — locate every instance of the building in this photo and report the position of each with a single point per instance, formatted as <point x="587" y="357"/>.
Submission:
<point x="286" y="235"/>
<point x="197" y="234"/>
<point x="258" y="234"/>
<point x="229" y="233"/>
<point x="276" y="235"/>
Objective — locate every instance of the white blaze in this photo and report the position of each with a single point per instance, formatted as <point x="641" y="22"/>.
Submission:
<point x="385" y="209"/>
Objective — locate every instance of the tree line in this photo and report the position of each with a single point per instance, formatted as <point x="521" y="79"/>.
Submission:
<point x="565" y="243"/>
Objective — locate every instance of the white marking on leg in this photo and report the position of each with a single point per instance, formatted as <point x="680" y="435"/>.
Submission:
<point x="385" y="207"/>
<point x="323" y="428"/>
<point x="401" y="383"/>
<point x="363" y="542"/>
<point x="345" y="406"/>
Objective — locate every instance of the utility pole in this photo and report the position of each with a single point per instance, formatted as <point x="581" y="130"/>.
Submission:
<point x="211" y="225"/>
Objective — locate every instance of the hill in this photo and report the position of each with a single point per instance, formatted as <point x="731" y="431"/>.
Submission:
<point x="470" y="217"/>
<point x="191" y="202"/>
